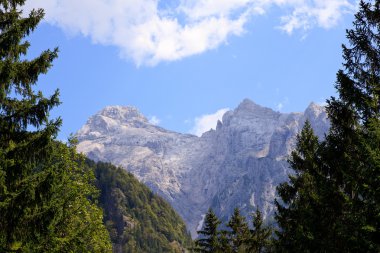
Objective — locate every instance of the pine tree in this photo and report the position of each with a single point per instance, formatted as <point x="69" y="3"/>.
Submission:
<point x="37" y="176"/>
<point x="209" y="240"/>
<point x="21" y="107"/>
<point x="260" y="235"/>
<point x="224" y="242"/>
<point x="239" y="231"/>
<point x="299" y="214"/>
<point x="353" y="144"/>
<point x="331" y="204"/>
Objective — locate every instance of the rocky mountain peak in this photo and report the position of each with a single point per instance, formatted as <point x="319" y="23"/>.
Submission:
<point x="247" y="106"/>
<point x="237" y="165"/>
<point x="123" y="114"/>
<point x="317" y="116"/>
<point x="315" y="110"/>
<point x="113" y="119"/>
<point x="248" y="111"/>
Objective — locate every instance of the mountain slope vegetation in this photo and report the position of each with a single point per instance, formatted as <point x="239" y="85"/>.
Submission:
<point x="137" y="219"/>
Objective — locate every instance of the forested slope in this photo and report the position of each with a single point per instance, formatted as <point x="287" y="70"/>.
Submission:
<point x="138" y="220"/>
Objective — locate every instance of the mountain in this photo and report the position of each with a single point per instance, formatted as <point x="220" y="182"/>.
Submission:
<point x="137" y="219"/>
<point x="237" y="165"/>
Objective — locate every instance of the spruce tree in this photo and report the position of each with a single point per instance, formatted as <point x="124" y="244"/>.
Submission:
<point x="299" y="213"/>
<point x="338" y="209"/>
<point x="353" y="144"/>
<point x="239" y="231"/>
<point x="260" y="236"/>
<point x="209" y="236"/>
<point x="225" y="242"/>
<point x="40" y="182"/>
<point x="21" y="108"/>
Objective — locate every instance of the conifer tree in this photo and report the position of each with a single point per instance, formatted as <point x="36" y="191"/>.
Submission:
<point x="209" y="239"/>
<point x="260" y="236"/>
<point x="239" y="231"/>
<point x="35" y="216"/>
<point x="299" y="214"/>
<point x="20" y="108"/>
<point x="224" y="242"/>
<point x="337" y="210"/>
<point x="352" y="147"/>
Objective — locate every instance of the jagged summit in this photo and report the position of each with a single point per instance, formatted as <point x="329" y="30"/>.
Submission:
<point x="247" y="103"/>
<point x="123" y="114"/>
<point x="113" y="119"/>
<point x="249" y="115"/>
<point x="247" y="106"/>
<point x="315" y="109"/>
<point x="237" y="165"/>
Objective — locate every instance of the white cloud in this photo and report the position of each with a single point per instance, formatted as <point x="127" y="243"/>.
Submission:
<point x="154" y="120"/>
<point x="152" y="31"/>
<point x="208" y="121"/>
<point x="322" y="13"/>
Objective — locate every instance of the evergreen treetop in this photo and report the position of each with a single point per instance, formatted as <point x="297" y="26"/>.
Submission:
<point x="331" y="203"/>
<point x="47" y="202"/>
<point x="209" y="240"/>
<point x="239" y="231"/>
<point x="22" y="108"/>
<point x="20" y="105"/>
<point x="260" y="237"/>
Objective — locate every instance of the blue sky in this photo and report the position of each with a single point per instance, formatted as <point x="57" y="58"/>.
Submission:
<point x="181" y="60"/>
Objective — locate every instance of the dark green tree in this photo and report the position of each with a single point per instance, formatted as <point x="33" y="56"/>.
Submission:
<point x="209" y="236"/>
<point x="225" y="242"/>
<point x="22" y="107"/>
<point x="337" y="208"/>
<point x="44" y="205"/>
<point x="299" y="214"/>
<point x="239" y="232"/>
<point x="352" y="146"/>
<point x="260" y="235"/>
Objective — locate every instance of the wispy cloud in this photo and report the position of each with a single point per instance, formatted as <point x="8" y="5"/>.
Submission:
<point x="152" y="31"/>
<point x="206" y="122"/>
<point x="322" y="13"/>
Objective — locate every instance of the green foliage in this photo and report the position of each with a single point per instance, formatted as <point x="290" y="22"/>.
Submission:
<point x="299" y="216"/>
<point x="211" y="239"/>
<point x="138" y="220"/>
<point x="239" y="232"/>
<point x="46" y="199"/>
<point x="237" y="238"/>
<point x="260" y="238"/>
<point x="75" y="220"/>
<point x="331" y="203"/>
<point x="21" y="151"/>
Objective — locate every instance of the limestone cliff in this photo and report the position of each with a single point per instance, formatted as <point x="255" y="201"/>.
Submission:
<point x="237" y="165"/>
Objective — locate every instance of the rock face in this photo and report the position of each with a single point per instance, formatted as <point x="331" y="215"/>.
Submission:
<point x="237" y="165"/>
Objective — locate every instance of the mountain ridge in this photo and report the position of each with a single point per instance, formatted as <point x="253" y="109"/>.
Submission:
<point x="239" y="164"/>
